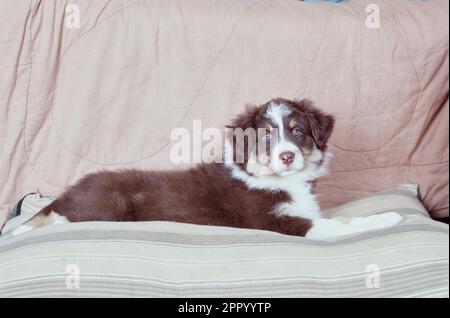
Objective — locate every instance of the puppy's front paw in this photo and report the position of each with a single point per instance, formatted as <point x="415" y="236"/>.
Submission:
<point x="328" y="228"/>
<point x="390" y="218"/>
<point x="378" y="221"/>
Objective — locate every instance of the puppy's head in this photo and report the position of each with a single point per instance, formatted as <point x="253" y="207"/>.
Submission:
<point x="281" y="137"/>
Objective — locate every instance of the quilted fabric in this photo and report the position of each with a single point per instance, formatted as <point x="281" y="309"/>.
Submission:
<point x="107" y="95"/>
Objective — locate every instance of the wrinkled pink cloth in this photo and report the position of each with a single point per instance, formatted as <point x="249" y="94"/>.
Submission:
<point x="106" y="95"/>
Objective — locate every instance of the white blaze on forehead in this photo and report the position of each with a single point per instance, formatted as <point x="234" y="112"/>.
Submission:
<point x="277" y="112"/>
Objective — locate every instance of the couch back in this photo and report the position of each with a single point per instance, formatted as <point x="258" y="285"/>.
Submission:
<point x="101" y="84"/>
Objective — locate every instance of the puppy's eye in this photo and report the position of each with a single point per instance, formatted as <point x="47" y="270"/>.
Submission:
<point x="297" y="132"/>
<point x="267" y="135"/>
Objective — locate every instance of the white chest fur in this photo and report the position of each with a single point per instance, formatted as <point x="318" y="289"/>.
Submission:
<point x="303" y="203"/>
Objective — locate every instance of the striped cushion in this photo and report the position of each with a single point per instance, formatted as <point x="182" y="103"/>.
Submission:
<point x="163" y="259"/>
<point x="403" y="199"/>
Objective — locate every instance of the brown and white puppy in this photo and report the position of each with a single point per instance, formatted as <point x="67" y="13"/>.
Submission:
<point x="267" y="187"/>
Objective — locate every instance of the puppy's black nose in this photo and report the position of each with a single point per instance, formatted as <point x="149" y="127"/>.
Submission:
<point x="287" y="157"/>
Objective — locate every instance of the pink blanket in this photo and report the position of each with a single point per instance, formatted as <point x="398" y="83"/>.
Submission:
<point x="105" y="91"/>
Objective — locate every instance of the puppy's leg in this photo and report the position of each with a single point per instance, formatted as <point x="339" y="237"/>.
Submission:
<point x="44" y="217"/>
<point x="288" y="225"/>
<point x="323" y="229"/>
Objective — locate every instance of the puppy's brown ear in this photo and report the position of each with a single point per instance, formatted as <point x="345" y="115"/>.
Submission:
<point x="322" y="127"/>
<point x="321" y="124"/>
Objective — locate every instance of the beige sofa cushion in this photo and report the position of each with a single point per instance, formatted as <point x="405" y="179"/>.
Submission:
<point x="168" y="259"/>
<point x="404" y="199"/>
